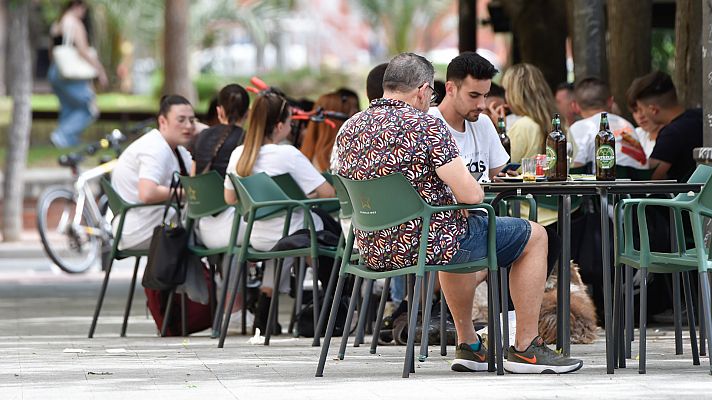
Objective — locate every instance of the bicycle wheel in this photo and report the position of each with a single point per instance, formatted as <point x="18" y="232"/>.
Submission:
<point x="73" y="250"/>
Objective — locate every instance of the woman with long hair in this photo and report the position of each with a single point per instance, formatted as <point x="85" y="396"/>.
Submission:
<point x="76" y="96"/>
<point x="211" y="152"/>
<point x="319" y="138"/>
<point x="530" y="98"/>
<point x="268" y="125"/>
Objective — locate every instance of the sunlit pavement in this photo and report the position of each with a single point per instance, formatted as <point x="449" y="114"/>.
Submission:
<point x="45" y="354"/>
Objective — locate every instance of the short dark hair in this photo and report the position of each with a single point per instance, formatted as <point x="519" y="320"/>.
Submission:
<point x="656" y="87"/>
<point x="234" y="99"/>
<point x="440" y="90"/>
<point x="496" y="90"/>
<point x="592" y="92"/>
<point x="169" y="101"/>
<point x="565" y="86"/>
<point x="472" y="64"/>
<point x="374" y="82"/>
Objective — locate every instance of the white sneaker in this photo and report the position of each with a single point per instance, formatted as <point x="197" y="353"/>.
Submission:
<point x="235" y="325"/>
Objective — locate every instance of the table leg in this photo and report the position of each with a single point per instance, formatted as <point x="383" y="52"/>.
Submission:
<point x="606" y="264"/>
<point x="563" y="294"/>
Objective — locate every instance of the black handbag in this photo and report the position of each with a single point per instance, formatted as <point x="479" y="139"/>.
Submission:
<point x="166" y="266"/>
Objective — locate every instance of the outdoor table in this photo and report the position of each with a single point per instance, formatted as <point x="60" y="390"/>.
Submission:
<point x="564" y="190"/>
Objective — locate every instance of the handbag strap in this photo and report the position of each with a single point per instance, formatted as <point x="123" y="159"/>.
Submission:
<point x="175" y="197"/>
<point x="218" y="146"/>
<point x="181" y="164"/>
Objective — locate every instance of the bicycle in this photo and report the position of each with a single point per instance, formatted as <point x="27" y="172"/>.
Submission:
<point x="74" y="223"/>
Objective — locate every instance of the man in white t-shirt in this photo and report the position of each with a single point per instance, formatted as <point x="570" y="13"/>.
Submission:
<point x="144" y="170"/>
<point x="469" y="77"/>
<point x="592" y="98"/>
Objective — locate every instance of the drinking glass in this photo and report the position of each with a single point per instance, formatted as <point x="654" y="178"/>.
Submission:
<point x="529" y="169"/>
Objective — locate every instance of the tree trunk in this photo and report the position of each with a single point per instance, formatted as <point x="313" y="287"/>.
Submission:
<point x="540" y="30"/>
<point x="589" y="39"/>
<point x="629" y="28"/>
<point x="176" y="50"/>
<point x="688" y="57"/>
<point x="467" y="25"/>
<point x="20" y="82"/>
<point x="3" y="46"/>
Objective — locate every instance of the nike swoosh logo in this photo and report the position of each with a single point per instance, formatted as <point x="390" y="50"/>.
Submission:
<point x="480" y="357"/>
<point x="531" y="360"/>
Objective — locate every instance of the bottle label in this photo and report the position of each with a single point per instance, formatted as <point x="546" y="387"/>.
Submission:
<point x="605" y="157"/>
<point x="550" y="158"/>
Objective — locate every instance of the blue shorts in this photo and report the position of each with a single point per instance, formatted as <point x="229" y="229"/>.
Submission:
<point x="512" y="236"/>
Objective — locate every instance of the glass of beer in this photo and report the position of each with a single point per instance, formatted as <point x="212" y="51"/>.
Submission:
<point x="529" y="169"/>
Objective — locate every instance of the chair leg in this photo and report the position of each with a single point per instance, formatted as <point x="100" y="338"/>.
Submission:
<point x="228" y="313"/>
<point x="629" y="312"/>
<point x="504" y="276"/>
<point x="491" y="364"/>
<point x="273" y="304"/>
<point x="497" y="322"/>
<point x="100" y="300"/>
<point x="244" y="299"/>
<point x="691" y="317"/>
<point x="643" y="318"/>
<point x="217" y="320"/>
<point x="330" y="325"/>
<point x="409" y="363"/>
<point x="427" y="310"/>
<point x="677" y="311"/>
<point x="701" y="318"/>
<point x="349" y="316"/>
<point x="707" y="321"/>
<point x="316" y="302"/>
<point x="327" y="298"/>
<point x="167" y="314"/>
<point x="301" y="270"/>
<point x="618" y="336"/>
<point x="379" y="314"/>
<point x="183" y="315"/>
<point x="365" y="302"/>
<point x="443" y="319"/>
<point x="129" y="300"/>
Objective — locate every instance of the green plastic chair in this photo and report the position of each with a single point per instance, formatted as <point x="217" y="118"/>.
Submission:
<point x="118" y="207"/>
<point x="261" y="198"/>
<point x="203" y="196"/>
<point x="697" y="258"/>
<point x="375" y="209"/>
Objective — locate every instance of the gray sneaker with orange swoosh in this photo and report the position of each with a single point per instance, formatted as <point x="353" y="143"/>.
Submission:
<point x="539" y="359"/>
<point x="468" y="360"/>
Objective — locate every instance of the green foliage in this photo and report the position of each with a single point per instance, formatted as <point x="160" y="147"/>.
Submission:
<point x="663" y="50"/>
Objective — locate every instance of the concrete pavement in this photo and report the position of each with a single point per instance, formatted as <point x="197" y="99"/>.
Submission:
<point x="44" y="353"/>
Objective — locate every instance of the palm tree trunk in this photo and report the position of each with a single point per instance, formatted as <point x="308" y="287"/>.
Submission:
<point x="688" y="57"/>
<point x="176" y="51"/>
<point x="467" y="25"/>
<point x="20" y="80"/>
<point x="589" y="39"/>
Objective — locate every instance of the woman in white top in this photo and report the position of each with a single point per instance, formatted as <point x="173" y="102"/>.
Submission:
<point x="268" y="125"/>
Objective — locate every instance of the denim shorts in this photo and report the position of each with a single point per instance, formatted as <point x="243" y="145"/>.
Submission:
<point x="512" y="235"/>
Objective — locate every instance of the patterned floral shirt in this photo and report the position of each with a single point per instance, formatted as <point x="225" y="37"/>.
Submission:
<point x="389" y="137"/>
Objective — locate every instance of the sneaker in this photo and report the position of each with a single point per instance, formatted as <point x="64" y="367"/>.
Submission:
<point x="467" y="360"/>
<point x="539" y="359"/>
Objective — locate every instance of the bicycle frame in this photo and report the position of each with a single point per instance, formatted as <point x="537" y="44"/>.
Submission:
<point x="86" y="197"/>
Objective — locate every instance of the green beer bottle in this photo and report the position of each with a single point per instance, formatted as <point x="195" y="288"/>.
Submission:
<point x="503" y="138"/>
<point x="556" y="157"/>
<point x="605" y="151"/>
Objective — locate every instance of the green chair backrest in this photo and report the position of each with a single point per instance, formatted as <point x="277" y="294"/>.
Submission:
<point x="116" y="203"/>
<point x="203" y="194"/>
<point x="705" y="196"/>
<point x="289" y="186"/>
<point x="346" y="208"/>
<point x="258" y="188"/>
<point x="328" y="176"/>
<point x="383" y="202"/>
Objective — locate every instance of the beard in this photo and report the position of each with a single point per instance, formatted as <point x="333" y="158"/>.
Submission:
<point x="472" y="116"/>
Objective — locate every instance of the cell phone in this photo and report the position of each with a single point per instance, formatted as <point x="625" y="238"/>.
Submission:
<point x="511" y="167"/>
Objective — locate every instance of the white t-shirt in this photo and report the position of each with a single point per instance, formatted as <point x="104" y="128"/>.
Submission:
<point x="584" y="133"/>
<point x="479" y="145"/>
<point x="277" y="160"/>
<point x="645" y="140"/>
<point x="150" y="157"/>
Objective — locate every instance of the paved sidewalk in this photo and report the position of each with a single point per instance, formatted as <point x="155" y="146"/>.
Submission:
<point x="44" y="354"/>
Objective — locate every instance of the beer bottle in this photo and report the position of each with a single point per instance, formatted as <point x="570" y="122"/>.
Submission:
<point x="605" y="151"/>
<point x="556" y="157"/>
<point x="502" y="132"/>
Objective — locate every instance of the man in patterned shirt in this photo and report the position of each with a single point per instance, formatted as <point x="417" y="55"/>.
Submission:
<point x="395" y="134"/>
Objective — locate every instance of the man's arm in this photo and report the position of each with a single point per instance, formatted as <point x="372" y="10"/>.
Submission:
<point x="463" y="185"/>
<point x="230" y="196"/>
<point x="660" y="168"/>
<point x="494" y="172"/>
<point x="151" y="192"/>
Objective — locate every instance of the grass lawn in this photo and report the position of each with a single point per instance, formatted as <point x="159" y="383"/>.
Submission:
<point x="45" y="156"/>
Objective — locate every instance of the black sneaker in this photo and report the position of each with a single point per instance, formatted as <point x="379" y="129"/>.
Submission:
<point x="539" y="359"/>
<point x="468" y="360"/>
